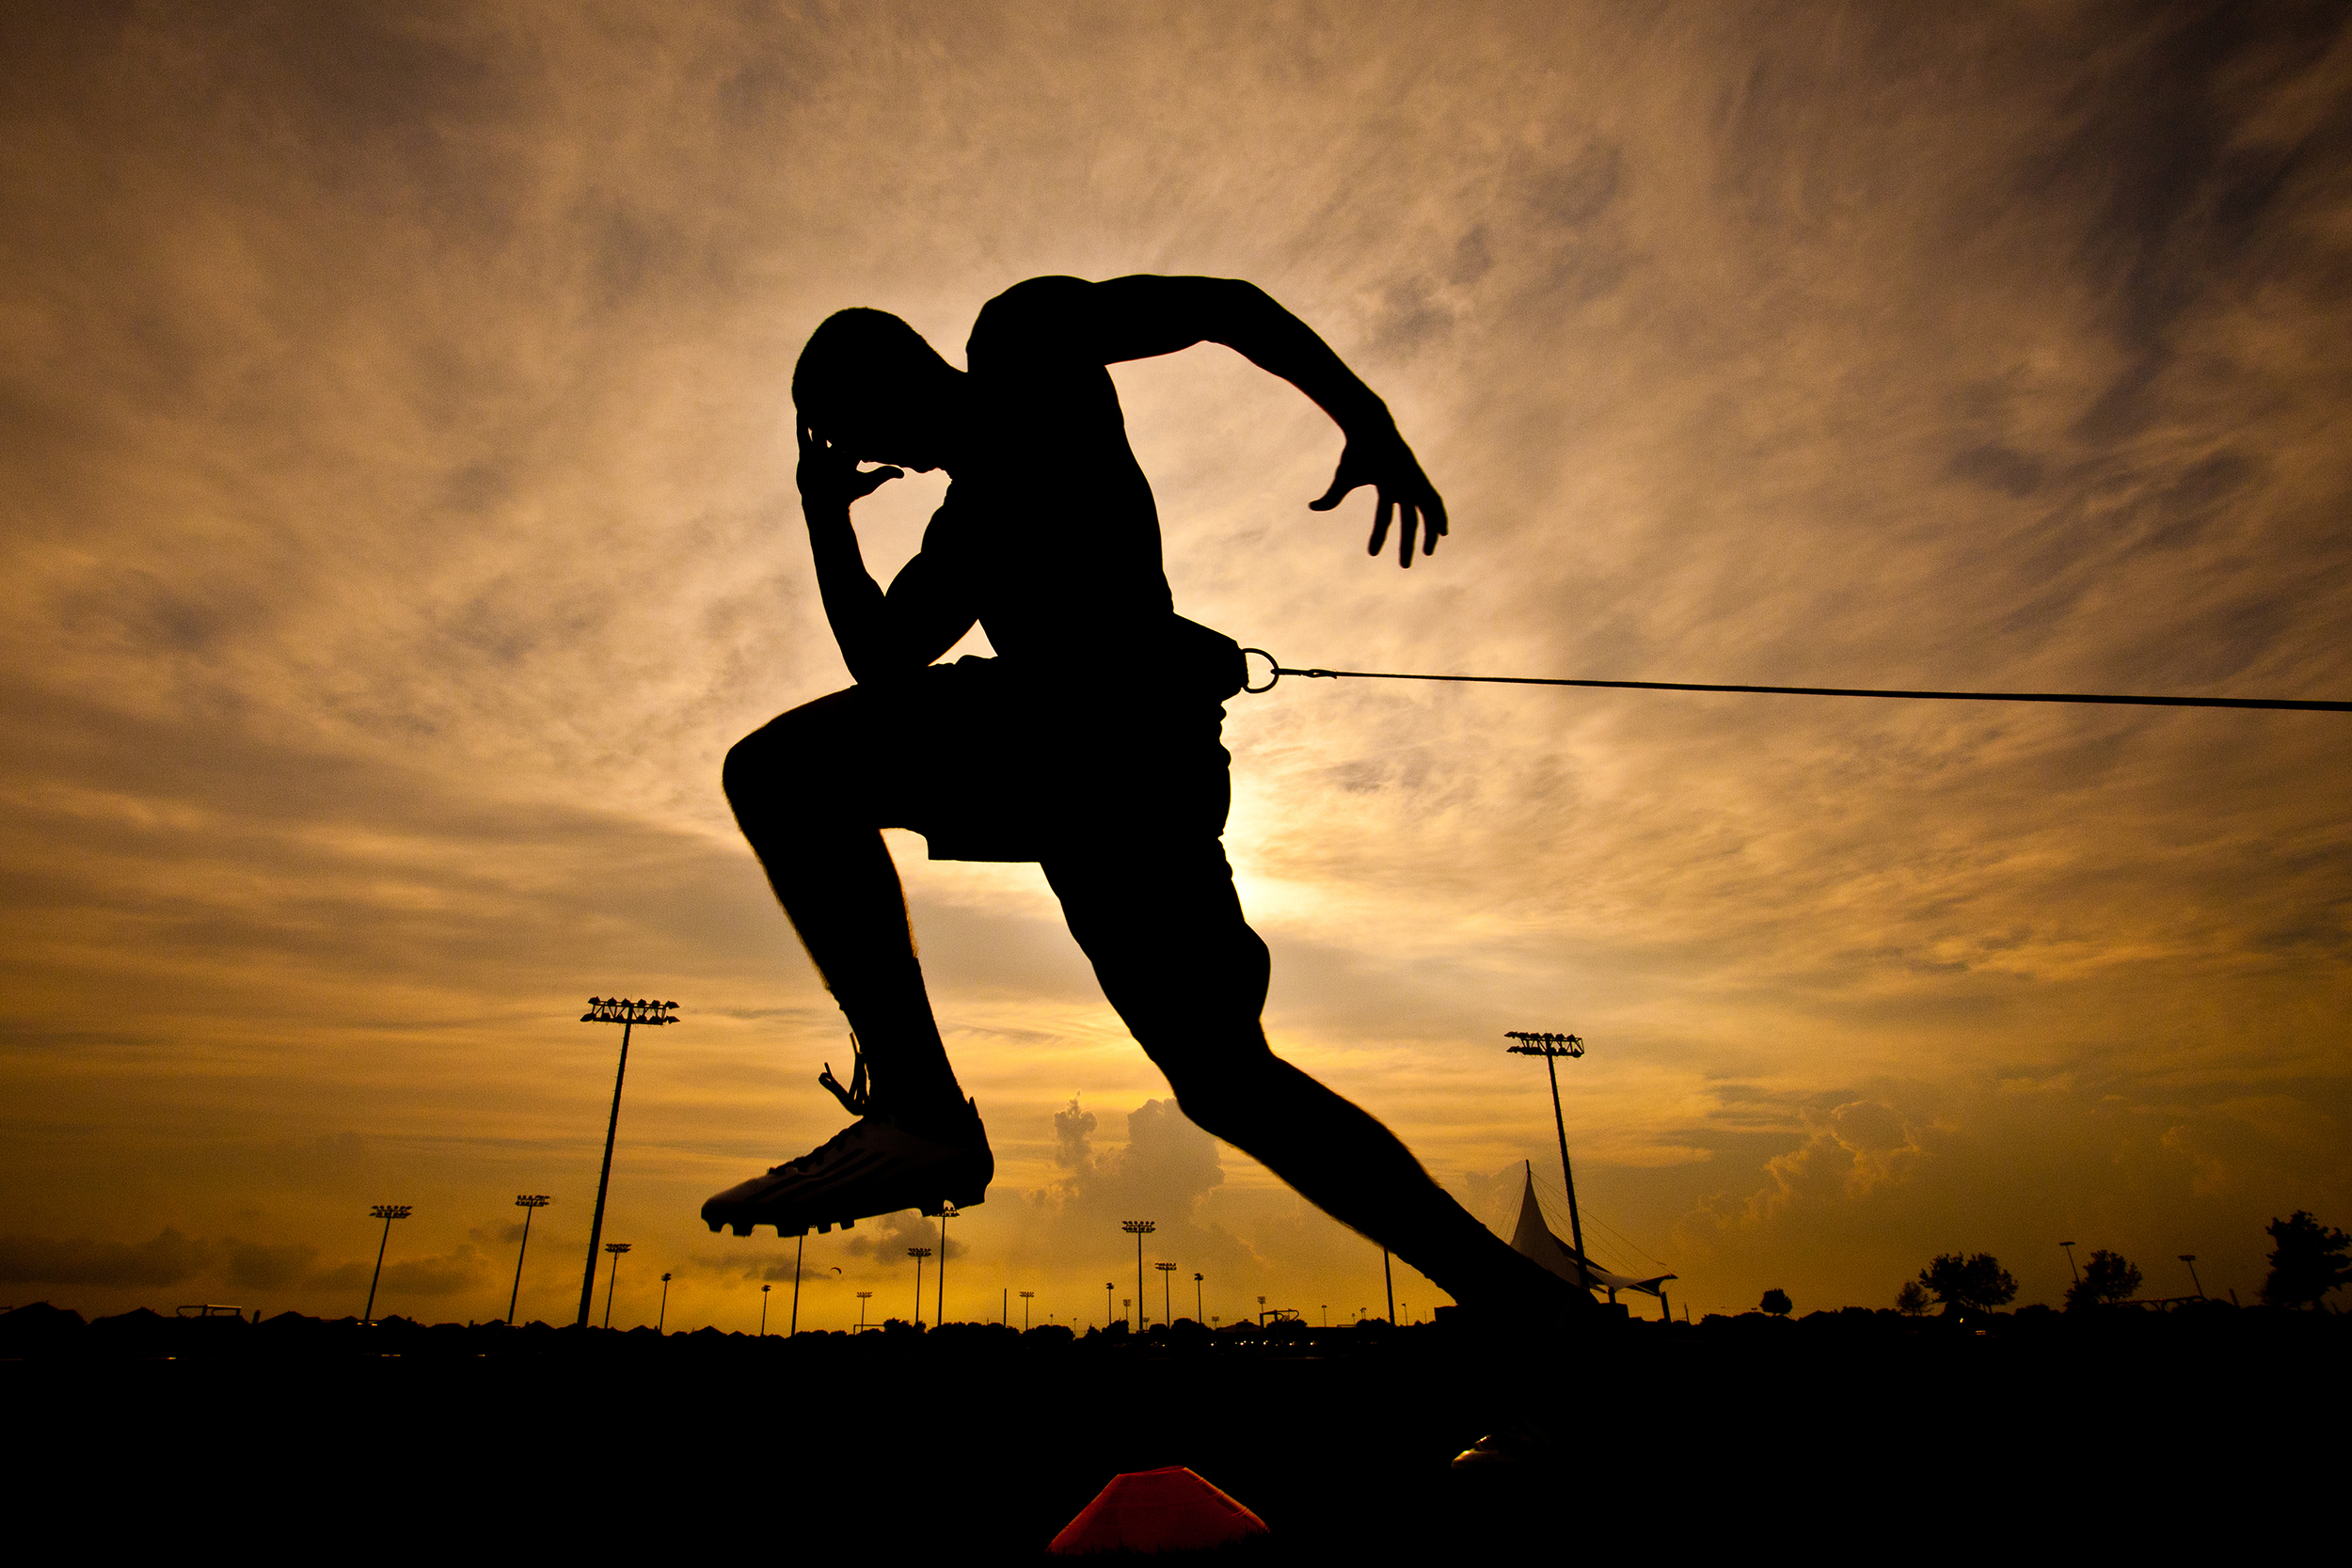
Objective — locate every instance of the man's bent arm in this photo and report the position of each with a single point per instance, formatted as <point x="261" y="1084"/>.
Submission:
<point x="880" y="634"/>
<point x="1137" y="317"/>
<point x="1144" y="315"/>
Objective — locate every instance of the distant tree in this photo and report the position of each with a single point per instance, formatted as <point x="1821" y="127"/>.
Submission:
<point x="2306" y="1261"/>
<point x="2108" y="1278"/>
<point x="1976" y="1283"/>
<point x="1911" y="1299"/>
<point x="1776" y="1302"/>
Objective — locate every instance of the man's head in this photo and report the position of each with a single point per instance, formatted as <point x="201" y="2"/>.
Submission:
<point x="870" y="384"/>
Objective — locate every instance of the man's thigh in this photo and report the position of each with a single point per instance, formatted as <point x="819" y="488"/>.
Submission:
<point x="1164" y="928"/>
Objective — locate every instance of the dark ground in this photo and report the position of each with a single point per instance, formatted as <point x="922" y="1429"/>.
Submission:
<point x="1853" y="1435"/>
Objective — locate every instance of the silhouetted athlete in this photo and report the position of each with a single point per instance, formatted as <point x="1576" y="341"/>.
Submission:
<point x="1090" y="744"/>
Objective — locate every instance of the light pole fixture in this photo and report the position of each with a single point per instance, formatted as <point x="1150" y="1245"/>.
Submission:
<point x="662" y="1323"/>
<point x="612" y="1009"/>
<point x="763" y="1310"/>
<point x="919" y="1254"/>
<point x="1551" y="1047"/>
<point x="1138" y="1230"/>
<point x="1025" y="1309"/>
<point x="2070" y="1261"/>
<point x="1167" y="1313"/>
<point x="530" y="1203"/>
<point x="938" y="1285"/>
<point x="1198" y="1316"/>
<point x="799" y="1247"/>
<point x="615" y="1248"/>
<point x="2191" y="1258"/>
<point x="387" y="1213"/>
<point x="863" y="1296"/>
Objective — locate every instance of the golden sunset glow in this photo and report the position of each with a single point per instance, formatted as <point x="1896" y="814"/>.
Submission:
<point x="401" y="527"/>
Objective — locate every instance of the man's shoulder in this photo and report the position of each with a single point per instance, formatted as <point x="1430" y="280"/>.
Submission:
<point x="1037" y="317"/>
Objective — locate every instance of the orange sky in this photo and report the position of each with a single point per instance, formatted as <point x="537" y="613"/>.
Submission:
<point x="401" y="527"/>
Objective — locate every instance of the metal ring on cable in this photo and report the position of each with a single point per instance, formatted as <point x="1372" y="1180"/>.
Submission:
<point x="1273" y="677"/>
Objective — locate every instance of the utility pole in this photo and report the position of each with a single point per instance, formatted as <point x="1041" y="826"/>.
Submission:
<point x="611" y="1009"/>
<point x="1389" y="1277"/>
<point x="799" y="1247"/>
<point x="1167" y="1313"/>
<point x="1551" y="1047"/>
<point x="1138" y="1230"/>
<point x="530" y="1203"/>
<point x="387" y="1213"/>
<point x="615" y="1248"/>
<point x="919" y="1254"/>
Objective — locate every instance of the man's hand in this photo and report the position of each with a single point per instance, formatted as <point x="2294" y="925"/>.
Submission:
<point x="830" y="478"/>
<point x="1383" y="462"/>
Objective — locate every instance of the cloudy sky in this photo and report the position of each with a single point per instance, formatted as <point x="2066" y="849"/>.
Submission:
<point x="400" y="526"/>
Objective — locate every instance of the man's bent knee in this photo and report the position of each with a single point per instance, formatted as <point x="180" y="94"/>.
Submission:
<point x="785" y="765"/>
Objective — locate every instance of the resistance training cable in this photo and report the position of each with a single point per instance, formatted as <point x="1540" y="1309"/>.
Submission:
<point x="2107" y="698"/>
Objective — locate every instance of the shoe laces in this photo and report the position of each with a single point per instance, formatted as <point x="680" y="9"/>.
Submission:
<point x="857" y="1099"/>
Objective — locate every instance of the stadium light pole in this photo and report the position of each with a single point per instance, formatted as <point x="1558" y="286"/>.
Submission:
<point x="1138" y="1230"/>
<point x="662" y="1323"/>
<point x="919" y="1254"/>
<point x="1167" y="1312"/>
<point x="938" y="1285"/>
<point x="530" y="1203"/>
<point x="1025" y="1309"/>
<point x="763" y="1310"/>
<point x="1198" y="1316"/>
<point x="1107" y="1289"/>
<point x="387" y="1213"/>
<point x="612" y="1009"/>
<point x="1389" y="1277"/>
<point x="798" y="1249"/>
<point x="2070" y="1261"/>
<point x="863" y="1297"/>
<point x="2191" y="1258"/>
<point x="1551" y="1047"/>
<point x="615" y="1248"/>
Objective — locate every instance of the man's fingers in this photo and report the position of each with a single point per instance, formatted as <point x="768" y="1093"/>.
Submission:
<point x="1340" y="485"/>
<point x="1435" y="519"/>
<point x="1380" y="527"/>
<point x="1406" y="519"/>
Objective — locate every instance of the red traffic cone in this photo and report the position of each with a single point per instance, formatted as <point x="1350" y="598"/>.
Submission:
<point x="1156" y="1510"/>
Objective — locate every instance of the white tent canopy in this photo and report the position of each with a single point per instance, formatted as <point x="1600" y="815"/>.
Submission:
<point x="1533" y="1239"/>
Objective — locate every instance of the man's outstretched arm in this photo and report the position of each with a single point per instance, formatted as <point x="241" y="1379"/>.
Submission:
<point x="880" y="634"/>
<point x="1136" y="318"/>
